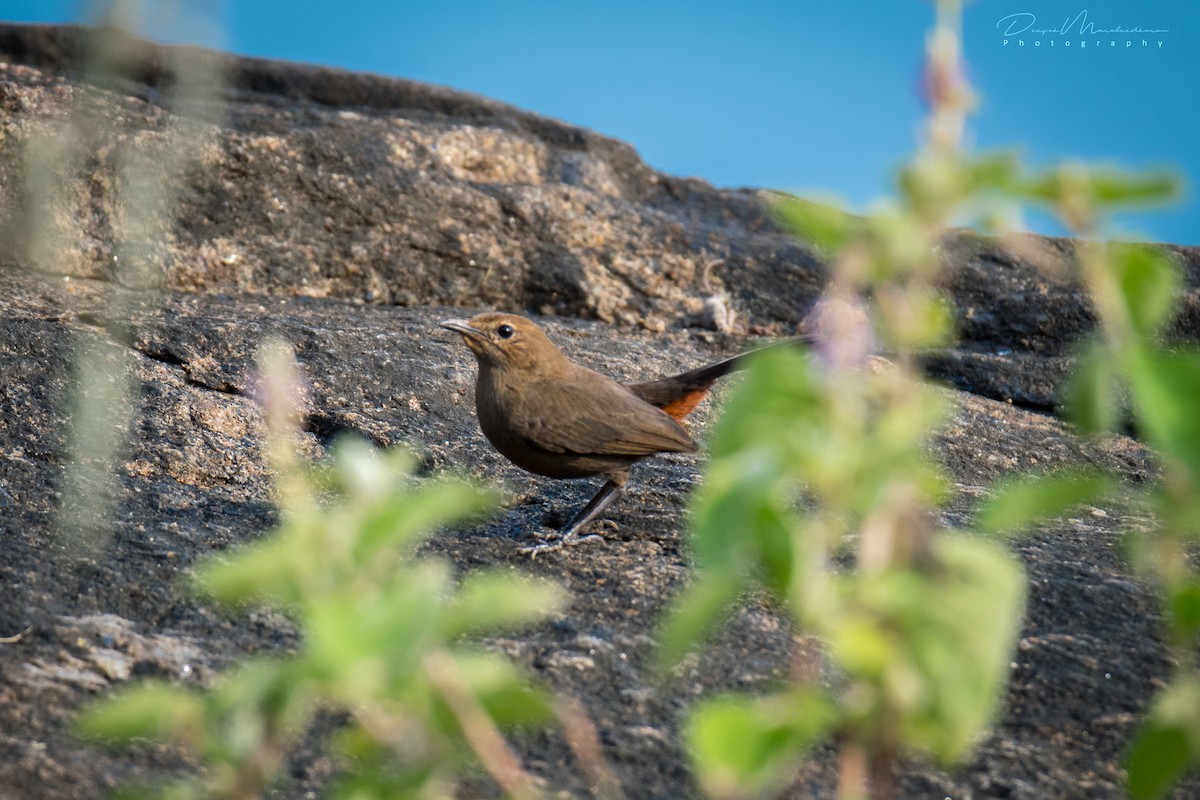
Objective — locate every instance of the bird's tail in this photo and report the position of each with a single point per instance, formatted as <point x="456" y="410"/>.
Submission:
<point x="679" y="394"/>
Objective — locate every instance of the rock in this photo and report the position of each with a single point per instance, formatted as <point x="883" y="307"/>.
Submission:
<point x="332" y="184"/>
<point x="340" y="211"/>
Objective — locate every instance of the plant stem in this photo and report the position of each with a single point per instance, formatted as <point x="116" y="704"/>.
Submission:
<point x="480" y="731"/>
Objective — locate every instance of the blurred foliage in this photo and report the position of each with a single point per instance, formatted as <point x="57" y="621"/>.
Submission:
<point x="146" y="173"/>
<point x="381" y="635"/>
<point x="826" y="455"/>
<point x="1127" y="367"/>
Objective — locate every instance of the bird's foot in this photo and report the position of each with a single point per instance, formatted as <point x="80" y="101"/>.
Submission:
<point x="568" y="539"/>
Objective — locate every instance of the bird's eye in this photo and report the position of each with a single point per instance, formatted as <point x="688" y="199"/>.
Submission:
<point x="505" y="331"/>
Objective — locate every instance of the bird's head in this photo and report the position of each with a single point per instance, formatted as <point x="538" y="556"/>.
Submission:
<point x="504" y="341"/>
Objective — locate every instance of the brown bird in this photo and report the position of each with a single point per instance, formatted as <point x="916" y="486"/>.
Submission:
<point x="553" y="417"/>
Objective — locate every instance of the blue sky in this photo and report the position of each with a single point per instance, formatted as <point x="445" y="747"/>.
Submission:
<point x="814" y="96"/>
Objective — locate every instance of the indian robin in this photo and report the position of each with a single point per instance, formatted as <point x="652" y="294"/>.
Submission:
<point x="551" y="416"/>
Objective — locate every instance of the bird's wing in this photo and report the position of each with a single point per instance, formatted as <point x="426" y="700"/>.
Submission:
<point x="601" y="417"/>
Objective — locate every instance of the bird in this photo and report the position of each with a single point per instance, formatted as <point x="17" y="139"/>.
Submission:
<point x="554" y="417"/>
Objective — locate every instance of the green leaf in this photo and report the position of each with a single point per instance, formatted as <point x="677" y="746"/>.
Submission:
<point x="1159" y="756"/>
<point x="1184" y="604"/>
<point x="743" y="746"/>
<point x="861" y="646"/>
<point x="1169" y="741"/>
<point x="1020" y="504"/>
<point x="264" y="572"/>
<point x="501" y="690"/>
<point x="1111" y="189"/>
<point x="176" y="790"/>
<point x="780" y="398"/>
<point x="1149" y="282"/>
<point x="825" y="225"/>
<point x="1164" y="387"/>
<point x="366" y="472"/>
<point x="997" y="171"/>
<point x="960" y="632"/>
<point x="934" y="321"/>
<point x="148" y="710"/>
<point x="743" y="514"/>
<point x="933" y="183"/>
<point x="926" y="649"/>
<point x="742" y="520"/>
<point x="695" y="612"/>
<point x="255" y="702"/>
<point x="1091" y="394"/>
<point x="374" y="771"/>
<point x="739" y="492"/>
<point x="373" y="634"/>
<point x="1118" y="188"/>
<point x="899" y="247"/>
<point x="1043" y="187"/>
<point x="495" y="600"/>
<point x="418" y="514"/>
<point x="919" y="321"/>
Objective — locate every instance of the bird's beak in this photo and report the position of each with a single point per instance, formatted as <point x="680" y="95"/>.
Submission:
<point x="461" y="326"/>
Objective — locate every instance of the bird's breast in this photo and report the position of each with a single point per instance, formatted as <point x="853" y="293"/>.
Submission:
<point x="509" y="412"/>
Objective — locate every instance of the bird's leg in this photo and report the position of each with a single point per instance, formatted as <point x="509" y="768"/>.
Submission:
<point x="609" y="493"/>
